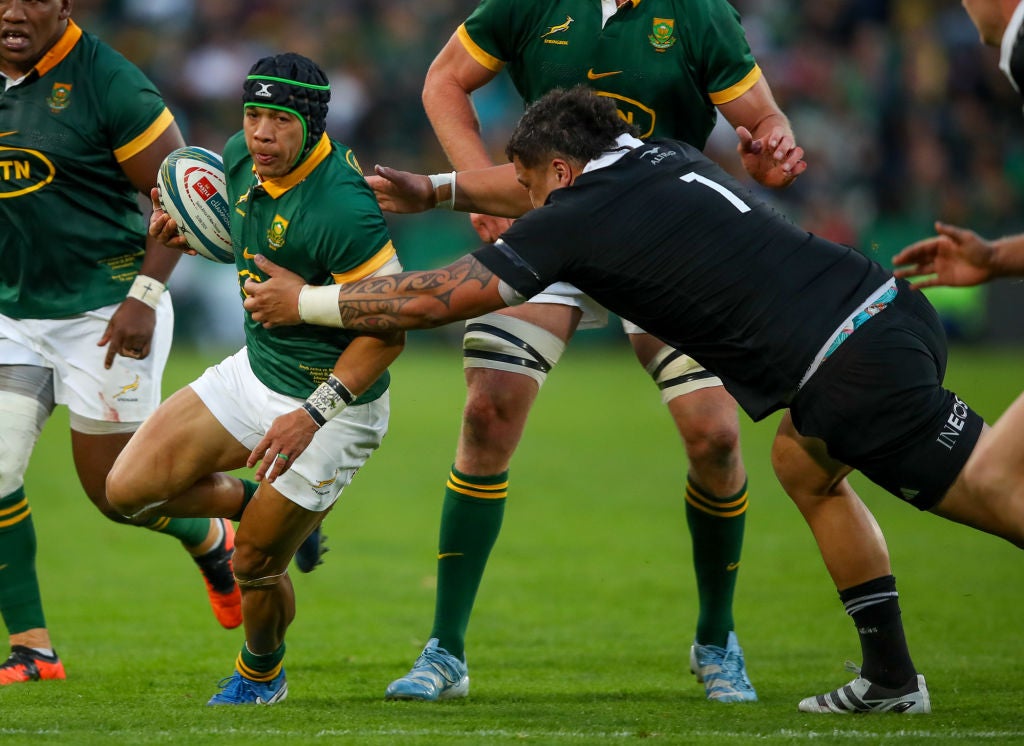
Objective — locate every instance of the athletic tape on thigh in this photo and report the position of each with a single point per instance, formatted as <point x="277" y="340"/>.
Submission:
<point x="23" y="418"/>
<point x="88" y="426"/>
<point x="505" y="343"/>
<point x="265" y="582"/>
<point x="677" y="374"/>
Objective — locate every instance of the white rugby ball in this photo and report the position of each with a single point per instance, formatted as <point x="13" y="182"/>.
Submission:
<point x="193" y="191"/>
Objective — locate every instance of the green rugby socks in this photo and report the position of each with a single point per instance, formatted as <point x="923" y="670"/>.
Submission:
<point x="470" y="523"/>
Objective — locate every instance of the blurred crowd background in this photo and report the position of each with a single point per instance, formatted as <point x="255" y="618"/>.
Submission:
<point x="903" y="114"/>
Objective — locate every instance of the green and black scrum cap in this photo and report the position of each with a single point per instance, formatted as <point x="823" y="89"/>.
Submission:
<point x="295" y="84"/>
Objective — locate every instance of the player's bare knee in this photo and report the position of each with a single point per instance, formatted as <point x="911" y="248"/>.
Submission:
<point x="254" y="567"/>
<point x="129" y="495"/>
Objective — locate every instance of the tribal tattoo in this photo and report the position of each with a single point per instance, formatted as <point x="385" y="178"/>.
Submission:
<point x="419" y="300"/>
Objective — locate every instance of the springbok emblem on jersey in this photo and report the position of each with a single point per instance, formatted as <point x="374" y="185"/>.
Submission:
<point x="559" y="28"/>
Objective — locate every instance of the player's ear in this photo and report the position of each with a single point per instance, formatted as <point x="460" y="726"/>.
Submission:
<point x="563" y="172"/>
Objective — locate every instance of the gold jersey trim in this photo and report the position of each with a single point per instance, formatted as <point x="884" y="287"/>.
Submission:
<point x="277" y="187"/>
<point x="736" y="90"/>
<point x="147" y="138"/>
<point x="371" y="265"/>
<point x="60" y="50"/>
<point x="489" y="61"/>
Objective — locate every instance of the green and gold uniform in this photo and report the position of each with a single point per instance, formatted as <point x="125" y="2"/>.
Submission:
<point x="667" y="63"/>
<point x="322" y="222"/>
<point x="73" y="237"/>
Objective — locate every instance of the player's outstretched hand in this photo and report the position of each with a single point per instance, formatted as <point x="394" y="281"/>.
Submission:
<point x="401" y="191"/>
<point x="489" y="227"/>
<point x="284" y="442"/>
<point x="774" y="160"/>
<point x="275" y="301"/>
<point x="957" y="257"/>
<point x="163" y="228"/>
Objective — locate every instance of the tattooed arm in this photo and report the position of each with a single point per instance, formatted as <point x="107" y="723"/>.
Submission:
<point x="407" y="300"/>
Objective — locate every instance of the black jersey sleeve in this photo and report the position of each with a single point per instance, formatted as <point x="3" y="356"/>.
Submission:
<point x="534" y="252"/>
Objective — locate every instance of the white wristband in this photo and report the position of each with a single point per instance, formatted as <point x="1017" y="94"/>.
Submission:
<point x="439" y="180"/>
<point x="147" y="290"/>
<point x="318" y="304"/>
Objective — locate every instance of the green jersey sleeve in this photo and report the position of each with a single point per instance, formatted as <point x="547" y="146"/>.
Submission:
<point x="727" y="64"/>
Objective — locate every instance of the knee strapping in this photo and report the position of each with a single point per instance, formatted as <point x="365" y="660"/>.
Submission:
<point x="23" y="418"/>
<point x="266" y="581"/>
<point x="677" y="373"/>
<point x="505" y="343"/>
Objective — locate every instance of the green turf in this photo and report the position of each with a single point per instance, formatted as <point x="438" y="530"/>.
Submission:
<point x="583" y="624"/>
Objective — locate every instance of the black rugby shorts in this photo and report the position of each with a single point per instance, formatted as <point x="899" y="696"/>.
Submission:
<point x="879" y="404"/>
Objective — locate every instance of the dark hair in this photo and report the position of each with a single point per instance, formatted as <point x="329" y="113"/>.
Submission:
<point x="576" y="123"/>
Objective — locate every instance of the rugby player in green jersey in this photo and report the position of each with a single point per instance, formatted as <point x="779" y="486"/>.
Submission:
<point x="84" y="319"/>
<point x="788" y="320"/>
<point x="299" y="196"/>
<point x="668" y="65"/>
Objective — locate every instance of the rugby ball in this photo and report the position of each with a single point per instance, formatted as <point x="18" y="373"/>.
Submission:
<point x="193" y="191"/>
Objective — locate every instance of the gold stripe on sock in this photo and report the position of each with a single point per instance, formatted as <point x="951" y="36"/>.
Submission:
<point x="158" y="524"/>
<point x="15" y="514"/>
<point x="253" y="675"/>
<point x="471" y="489"/>
<point x="720" y="508"/>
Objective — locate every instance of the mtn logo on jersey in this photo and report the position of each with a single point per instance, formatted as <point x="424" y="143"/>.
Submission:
<point x="60" y="97"/>
<point x="633" y="113"/>
<point x="23" y="171"/>
<point x="560" y="28"/>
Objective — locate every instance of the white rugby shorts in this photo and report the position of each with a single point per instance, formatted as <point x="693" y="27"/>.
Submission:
<point x="128" y="392"/>
<point x="246" y="408"/>
<point x="595" y="316"/>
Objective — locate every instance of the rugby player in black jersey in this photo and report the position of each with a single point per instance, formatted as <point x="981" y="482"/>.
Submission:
<point x="660" y="235"/>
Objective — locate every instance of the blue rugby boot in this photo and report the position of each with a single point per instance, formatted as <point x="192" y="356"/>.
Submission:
<point x="722" y="671"/>
<point x="436" y="674"/>
<point x="238" y="690"/>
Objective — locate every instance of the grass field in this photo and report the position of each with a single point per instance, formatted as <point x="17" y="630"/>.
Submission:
<point x="583" y="624"/>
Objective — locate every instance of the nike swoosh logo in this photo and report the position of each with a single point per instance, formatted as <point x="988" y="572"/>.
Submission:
<point x="247" y="255"/>
<point x="732" y="566"/>
<point x="450" y="554"/>
<point x="5" y="134"/>
<point x="591" y="75"/>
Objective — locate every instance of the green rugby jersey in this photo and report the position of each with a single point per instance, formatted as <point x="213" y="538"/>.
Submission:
<point x="73" y="235"/>
<point x="667" y="63"/>
<point x="322" y="222"/>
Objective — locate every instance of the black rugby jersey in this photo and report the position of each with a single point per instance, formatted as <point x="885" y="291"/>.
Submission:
<point x="666" y="239"/>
